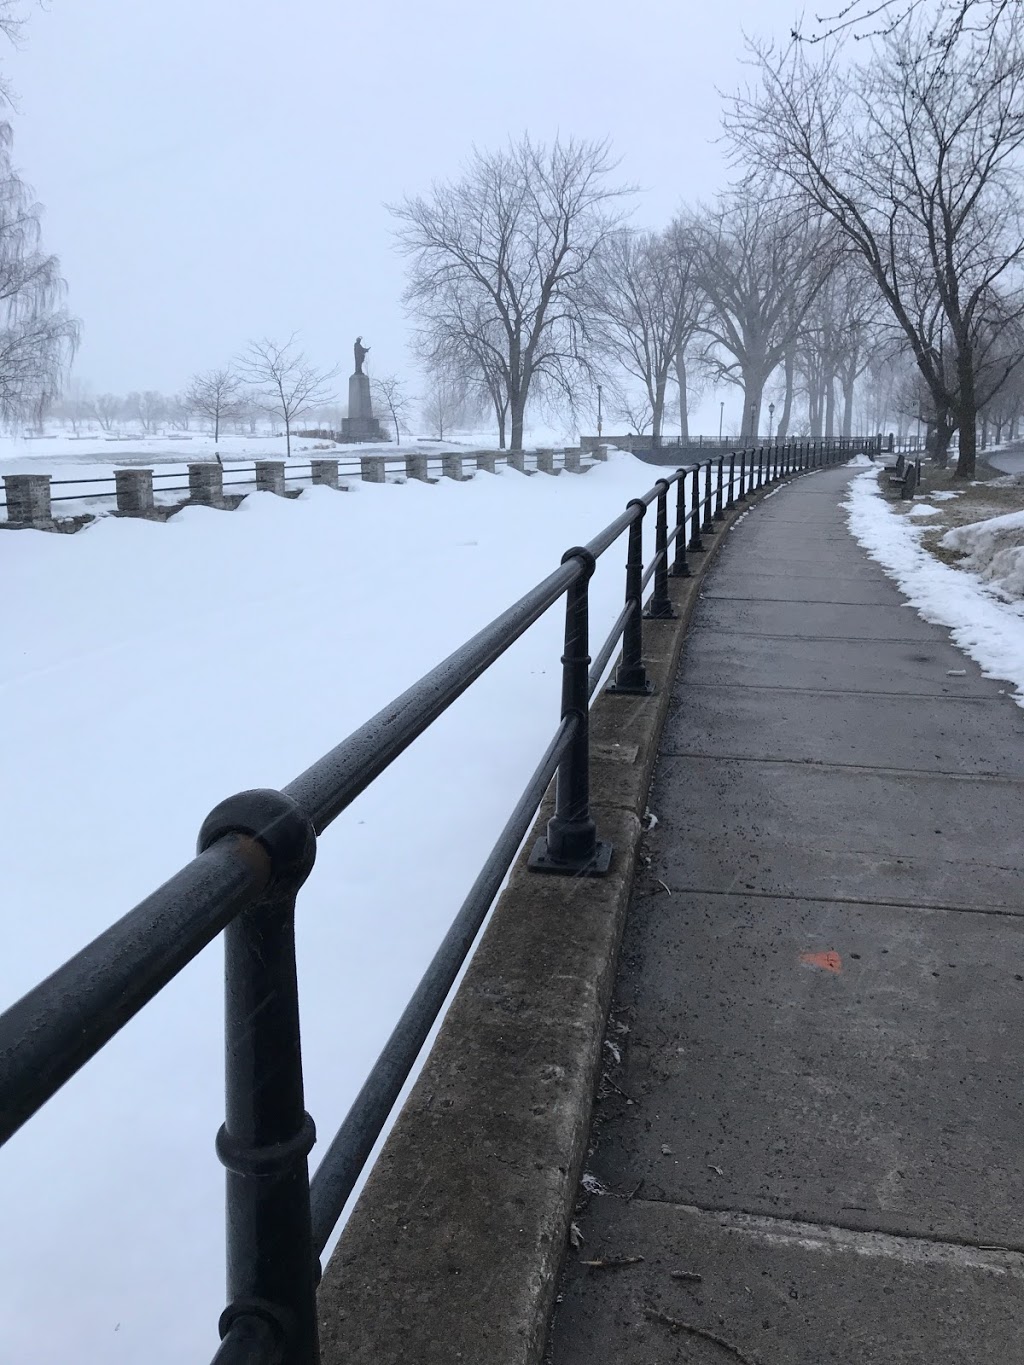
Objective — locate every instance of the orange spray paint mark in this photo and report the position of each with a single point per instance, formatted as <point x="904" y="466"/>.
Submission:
<point x="828" y="962"/>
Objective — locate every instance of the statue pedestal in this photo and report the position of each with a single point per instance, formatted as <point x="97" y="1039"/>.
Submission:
<point x="360" y="424"/>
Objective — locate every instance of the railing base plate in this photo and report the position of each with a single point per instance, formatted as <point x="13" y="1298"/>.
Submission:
<point x="596" y="865"/>
<point x="645" y="689"/>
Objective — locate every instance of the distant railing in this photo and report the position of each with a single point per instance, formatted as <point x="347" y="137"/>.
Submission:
<point x="256" y="849"/>
<point x="29" y="498"/>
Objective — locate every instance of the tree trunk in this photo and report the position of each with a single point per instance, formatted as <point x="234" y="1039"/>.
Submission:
<point x="787" y="402"/>
<point x="657" y="414"/>
<point x="814" y="410"/>
<point x="753" y="390"/>
<point x="848" y="386"/>
<point x="684" y="416"/>
<point x="287" y="436"/>
<point x="216" y="428"/>
<point x="517" y="424"/>
<point x="967" y="418"/>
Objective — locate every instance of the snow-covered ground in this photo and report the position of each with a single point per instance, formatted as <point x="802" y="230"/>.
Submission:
<point x="987" y="627"/>
<point x="148" y="671"/>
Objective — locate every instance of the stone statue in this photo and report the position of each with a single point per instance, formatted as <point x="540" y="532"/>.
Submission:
<point x="361" y="353"/>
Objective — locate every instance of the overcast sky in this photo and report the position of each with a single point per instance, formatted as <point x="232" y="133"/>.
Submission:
<point x="214" y="170"/>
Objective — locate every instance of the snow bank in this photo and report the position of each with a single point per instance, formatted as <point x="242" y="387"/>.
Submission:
<point x="989" y="630"/>
<point x="861" y="461"/>
<point x="149" y="671"/>
<point x="994" y="550"/>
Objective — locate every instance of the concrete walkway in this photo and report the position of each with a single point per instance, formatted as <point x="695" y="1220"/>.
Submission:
<point x="815" y="1138"/>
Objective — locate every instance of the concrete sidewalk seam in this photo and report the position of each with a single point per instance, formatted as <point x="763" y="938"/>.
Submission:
<point x="841" y="692"/>
<point x="819" y="763"/>
<point x="731" y="1216"/>
<point x="746" y="894"/>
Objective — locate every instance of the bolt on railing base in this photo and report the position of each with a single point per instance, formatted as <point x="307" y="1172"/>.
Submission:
<point x="596" y="864"/>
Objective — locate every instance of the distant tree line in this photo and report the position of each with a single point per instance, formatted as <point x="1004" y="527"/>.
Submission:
<point x="866" y="268"/>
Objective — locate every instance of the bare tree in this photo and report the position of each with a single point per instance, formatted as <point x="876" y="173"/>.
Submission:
<point x="147" y="408"/>
<point x="948" y="20"/>
<point x="645" y="307"/>
<point x="761" y="270"/>
<point x="464" y="343"/>
<point x="108" y="409"/>
<point x="217" y="396"/>
<point x="179" y="411"/>
<point x="504" y="251"/>
<point x="915" y="161"/>
<point x="445" y="401"/>
<point x="288" y="383"/>
<point x="77" y="406"/>
<point x="389" y="392"/>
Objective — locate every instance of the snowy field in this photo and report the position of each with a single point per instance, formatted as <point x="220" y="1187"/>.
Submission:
<point x="975" y="599"/>
<point x="151" y="669"/>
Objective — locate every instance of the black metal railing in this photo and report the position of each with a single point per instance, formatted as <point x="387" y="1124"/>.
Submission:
<point x="255" y="851"/>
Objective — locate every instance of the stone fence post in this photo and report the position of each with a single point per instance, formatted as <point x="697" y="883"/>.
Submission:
<point x="546" y="462"/>
<point x="325" y="472"/>
<point x="28" y="500"/>
<point x="206" y="484"/>
<point x="517" y="460"/>
<point x="485" y="461"/>
<point x="372" y="468"/>
<point x="270" y="477"/>
<point x="572" y="460"/>
<point x="134" y="491"/>
<point x="416" y="468"/>
<point x="600" y="452"/>
<point x="451" y="466"/>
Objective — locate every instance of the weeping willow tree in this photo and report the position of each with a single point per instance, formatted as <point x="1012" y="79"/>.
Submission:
<point x="37" y="334"/>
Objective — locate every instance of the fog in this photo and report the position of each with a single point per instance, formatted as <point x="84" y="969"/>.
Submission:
<point x="215" y="171"/>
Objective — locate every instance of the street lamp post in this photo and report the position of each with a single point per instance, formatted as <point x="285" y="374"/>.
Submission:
<point x="771" y="419"/>
<point x="599" y="412"/>
<point x="721" y="417"/>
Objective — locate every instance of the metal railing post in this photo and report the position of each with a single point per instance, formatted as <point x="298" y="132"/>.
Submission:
<point x="742" y="495"/>
<point x="760" y="466"/>
<point x="731" y="500"/>
<point x="570" y="844"/>
<point x="680" y="568"/>
<point x="708" y="529"/>
<point x="267" y="1135"/>
<point x="695" y="541"/>
<point x="660" y="608"/>
<point x="630" y="675"/>
<point x="719" y="507"/>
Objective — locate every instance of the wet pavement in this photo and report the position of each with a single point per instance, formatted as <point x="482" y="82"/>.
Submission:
<point x="809" y="1133"/>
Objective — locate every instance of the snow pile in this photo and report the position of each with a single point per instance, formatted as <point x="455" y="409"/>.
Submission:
<point x="921" y="509"/>
<point x="148" y="671"/>
<point x="946" y="496"/>
<point x="994" y="550"/>
<point x="861" y="461"/>
<point x="990" y="631"/>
